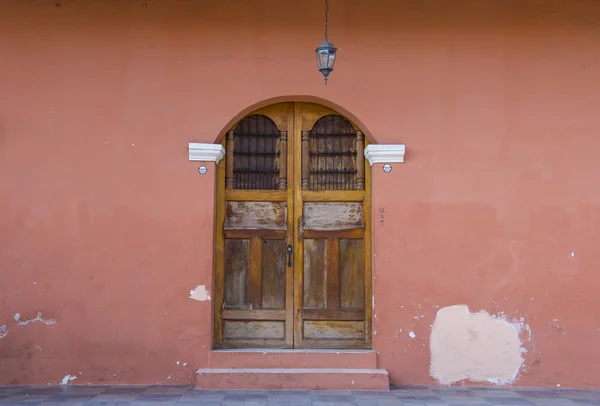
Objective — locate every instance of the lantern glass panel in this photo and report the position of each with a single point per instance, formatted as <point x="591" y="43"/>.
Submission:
<point x="323" y="58"/>
<point x="331" y="60"/>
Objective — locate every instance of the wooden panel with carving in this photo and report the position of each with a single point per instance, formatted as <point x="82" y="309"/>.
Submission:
<point x="326" y="330"/>
<point x="333" y="215"/>
<point x="352" y="274"/>
<point x="237" y="266"/>
<point x="254" y="330"/>
<point x="256" y="215"/>
<point x="273" y="274"/>
<point x="253" y="313"/>
<point x="315" y="274"/>
<point x="333" y="310"/>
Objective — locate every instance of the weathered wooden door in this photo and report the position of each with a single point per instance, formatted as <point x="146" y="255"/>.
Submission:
<point x="293" y="232"/>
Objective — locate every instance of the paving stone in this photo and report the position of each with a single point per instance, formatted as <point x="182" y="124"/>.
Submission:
<point x="186" y="395"/>
<point x="582" y="401"/>
<point x="128" y="390"/>
<point x="202" y="403"/>
<point x="509" y="401"/>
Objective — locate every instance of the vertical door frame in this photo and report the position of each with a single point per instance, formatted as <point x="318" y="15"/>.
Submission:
<point x="219" y="249"/>
<point x="289" y="271"/>
<point x="293" y="329"/>
<point x="298" y="250"/>
<point x="368" y="254"/>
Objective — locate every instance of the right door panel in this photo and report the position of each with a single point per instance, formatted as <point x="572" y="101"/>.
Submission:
<point x="332" y="287"/>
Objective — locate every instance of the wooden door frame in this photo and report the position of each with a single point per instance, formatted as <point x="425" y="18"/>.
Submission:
<point x="293" y="124"/>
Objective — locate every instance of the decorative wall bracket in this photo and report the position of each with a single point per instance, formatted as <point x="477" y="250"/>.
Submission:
<point x="206" y="152"/>
<point x="384" y="153"/>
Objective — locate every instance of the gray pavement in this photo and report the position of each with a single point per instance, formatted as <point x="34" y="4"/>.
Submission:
<point x="186" y="395"/>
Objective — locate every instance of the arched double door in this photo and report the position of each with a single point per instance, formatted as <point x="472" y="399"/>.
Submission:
<point x="292" y="261"/>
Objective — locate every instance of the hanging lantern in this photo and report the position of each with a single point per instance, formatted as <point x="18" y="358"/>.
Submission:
<point x="326" y="58"/>
<point x="326" y="52"/>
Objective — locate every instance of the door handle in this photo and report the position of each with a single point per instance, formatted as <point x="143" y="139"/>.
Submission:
<point x="289" y="252"/>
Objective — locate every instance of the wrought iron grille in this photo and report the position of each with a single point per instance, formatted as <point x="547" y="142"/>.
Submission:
<point x="332" y="154"/>
<point x="256" y="154"/>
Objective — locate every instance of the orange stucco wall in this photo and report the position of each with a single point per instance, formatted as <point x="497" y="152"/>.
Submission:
<point x="106" y="226"/>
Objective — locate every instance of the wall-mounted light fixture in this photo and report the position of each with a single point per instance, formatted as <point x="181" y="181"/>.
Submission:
<point x="326" y="52"/>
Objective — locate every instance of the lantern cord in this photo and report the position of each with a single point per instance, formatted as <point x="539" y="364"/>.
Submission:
<point x="326" y="17"/>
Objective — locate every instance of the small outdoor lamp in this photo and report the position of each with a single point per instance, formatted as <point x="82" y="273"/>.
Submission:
<point x="326" y="52"/>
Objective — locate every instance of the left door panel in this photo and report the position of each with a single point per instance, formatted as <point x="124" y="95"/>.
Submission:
<point x="253" y="280"/>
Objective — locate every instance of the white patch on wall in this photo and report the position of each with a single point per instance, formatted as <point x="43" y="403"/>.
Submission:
<point x="38" y="317"/>
<point x="200" y="293"/>
<point x="68" y="378"/>
<point x="3" y="332"/>
<point x="475" y="346"/>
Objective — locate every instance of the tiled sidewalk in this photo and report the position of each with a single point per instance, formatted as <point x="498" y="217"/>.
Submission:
<point x="185" y="395"/>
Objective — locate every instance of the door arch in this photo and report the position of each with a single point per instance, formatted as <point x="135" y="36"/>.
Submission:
<point x="310" y="99"/>
<point x="293" y="232"/>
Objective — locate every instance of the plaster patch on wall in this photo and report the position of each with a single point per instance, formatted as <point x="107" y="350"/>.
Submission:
<point x="200" y="293"/>
<point x="519" y="324"/>
<point x="475" y="346"/>
<point x="37" y="318"/>
<point x="68" y="378"/>
<point x="3" y="332"/>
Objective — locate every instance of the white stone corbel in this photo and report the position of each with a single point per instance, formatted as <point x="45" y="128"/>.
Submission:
<point x="384" y="153"/>
<point x="206" y="152"/>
